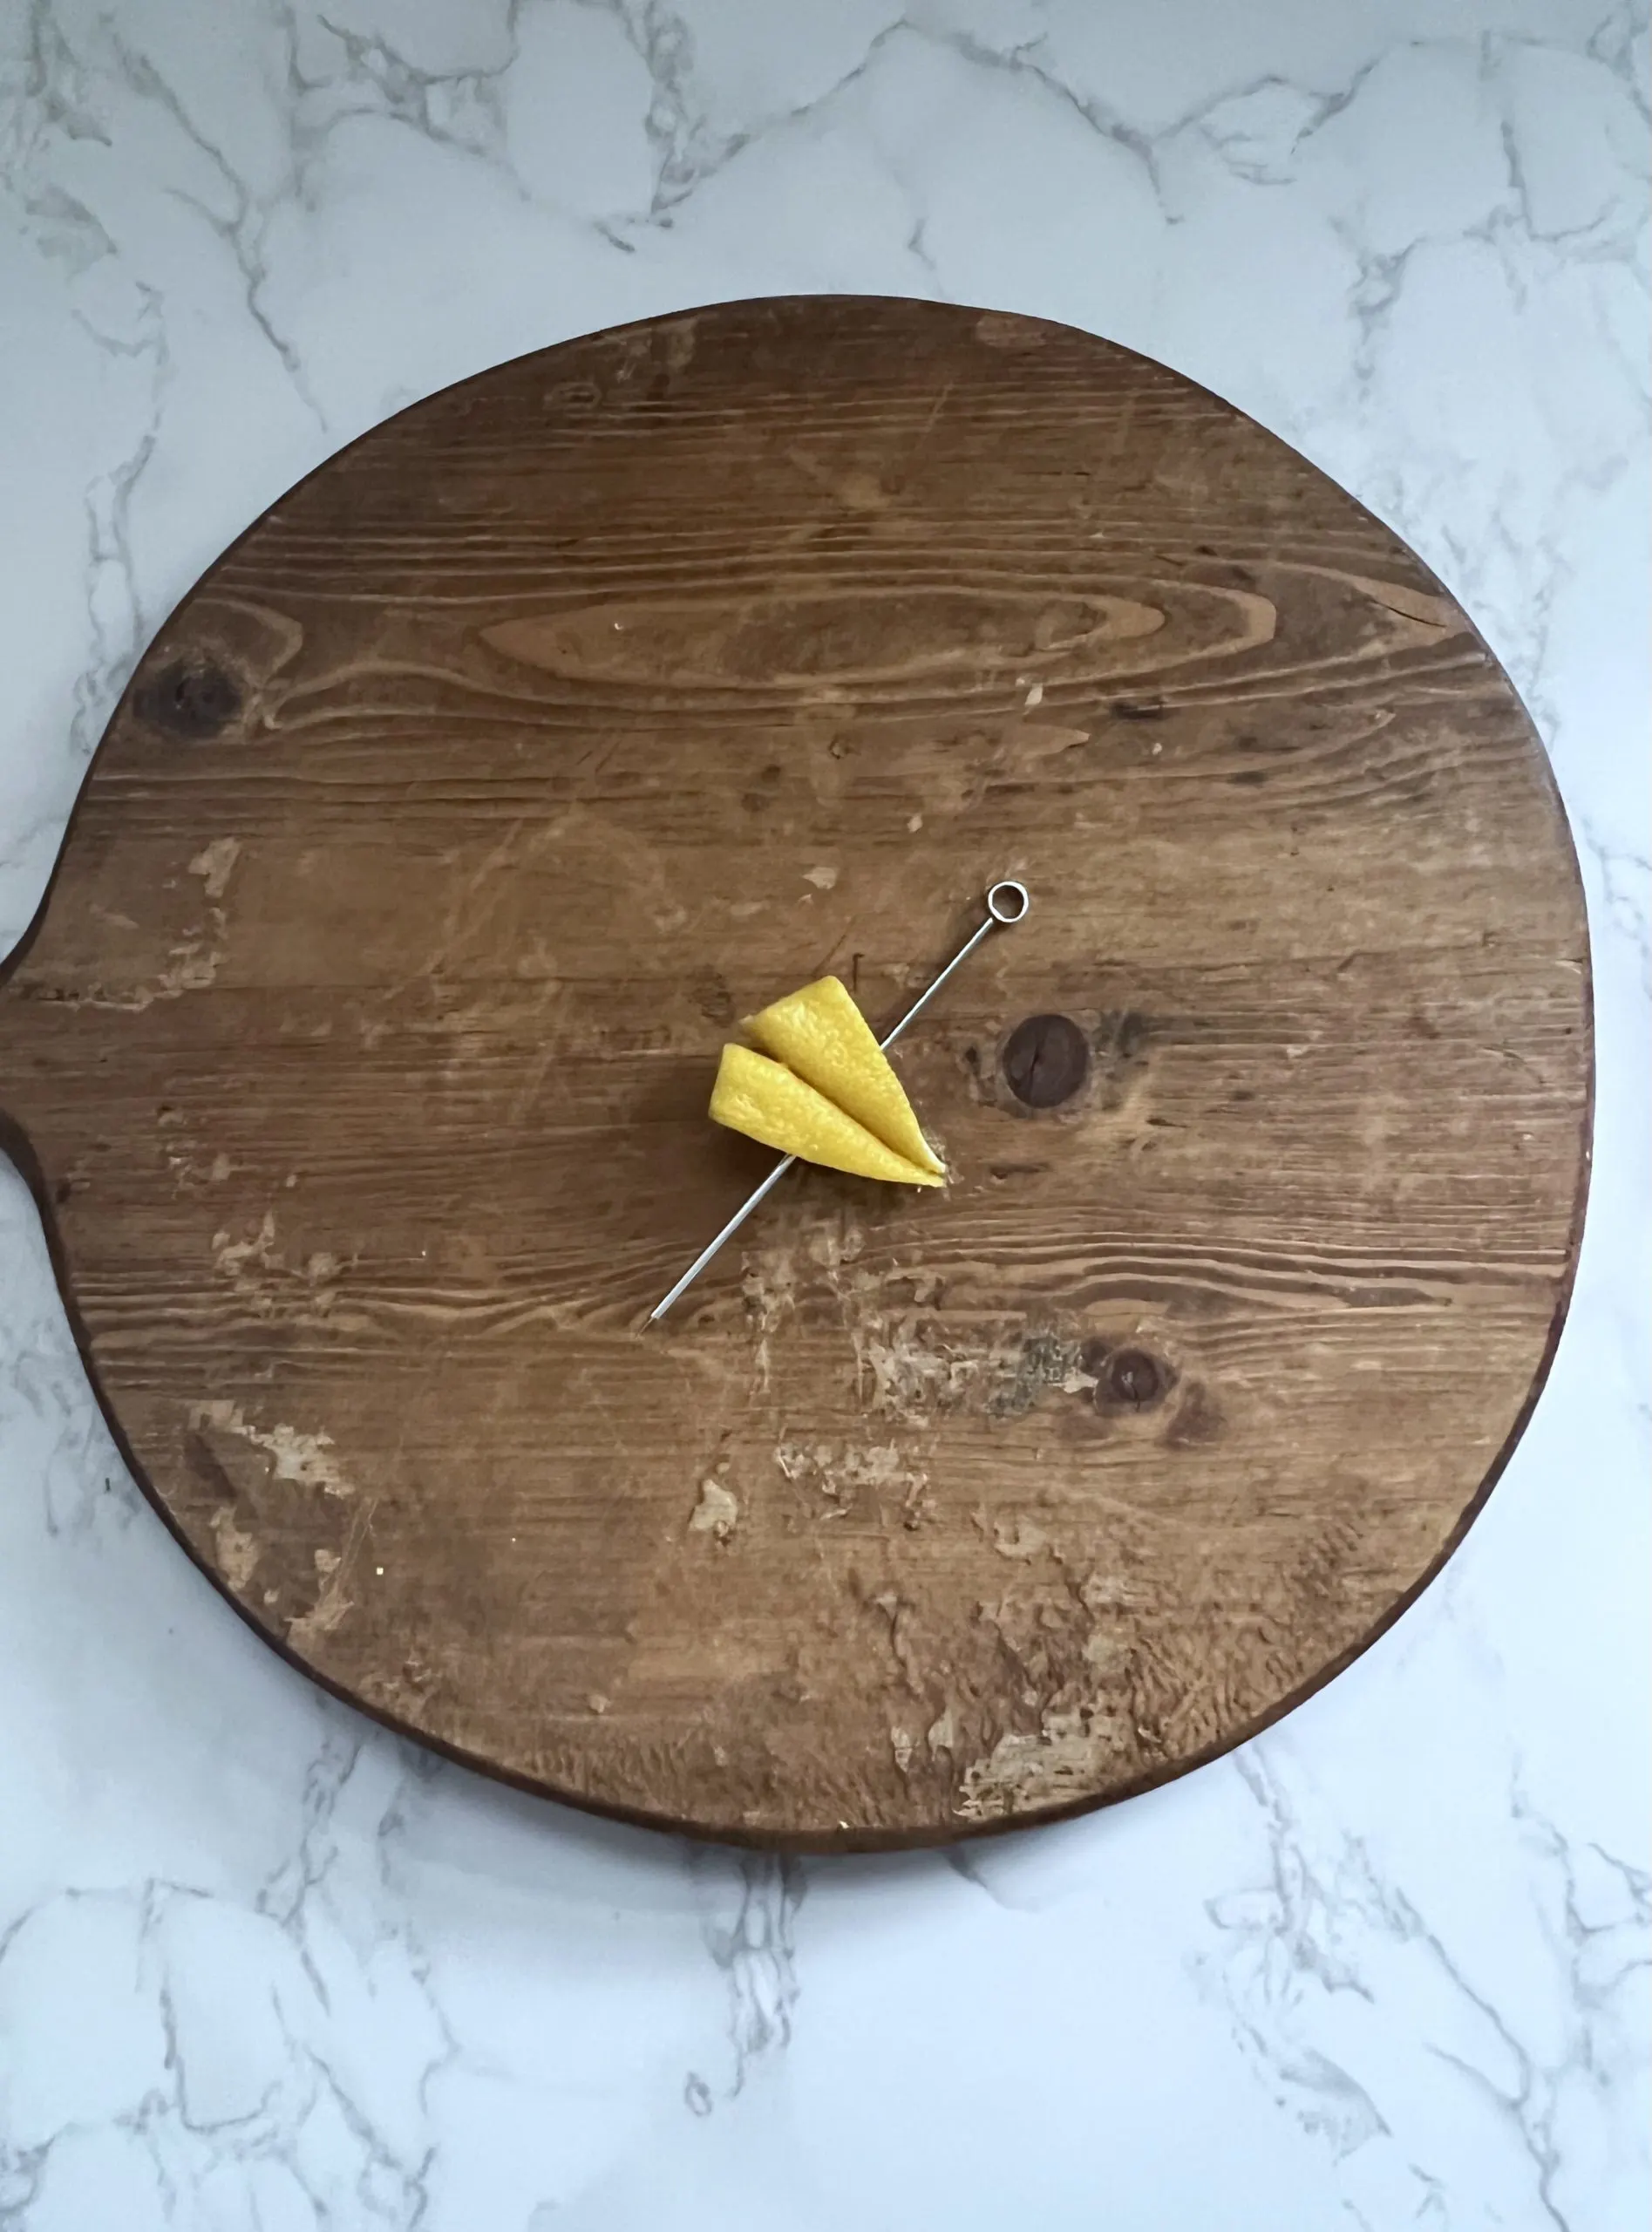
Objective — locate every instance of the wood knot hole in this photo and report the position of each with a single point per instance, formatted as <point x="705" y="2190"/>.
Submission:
<point x="191" y="698"/>
<point x="1127" y="1379"/>
<point x="1134" y="1378"/>
<point x="1045" y="1060"/>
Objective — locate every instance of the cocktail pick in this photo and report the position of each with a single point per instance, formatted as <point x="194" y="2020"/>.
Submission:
<point x="1007" y="902"/>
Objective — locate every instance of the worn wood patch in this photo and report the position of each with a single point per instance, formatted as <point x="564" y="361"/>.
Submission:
<point x="360" y="1059"/>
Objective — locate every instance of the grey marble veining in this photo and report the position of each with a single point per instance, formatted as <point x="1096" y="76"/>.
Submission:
<point x="264" y="1969"/>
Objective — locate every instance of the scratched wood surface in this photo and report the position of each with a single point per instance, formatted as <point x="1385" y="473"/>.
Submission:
<point x="359" y="1060"/>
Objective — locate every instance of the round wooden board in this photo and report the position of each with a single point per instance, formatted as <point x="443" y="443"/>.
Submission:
<point x="360" y="1056"/>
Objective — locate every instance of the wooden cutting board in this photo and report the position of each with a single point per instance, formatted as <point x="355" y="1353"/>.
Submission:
<point x="360" y="1055"/>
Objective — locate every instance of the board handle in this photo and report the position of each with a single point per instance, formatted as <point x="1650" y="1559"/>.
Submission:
<point x="21" y="1075"/>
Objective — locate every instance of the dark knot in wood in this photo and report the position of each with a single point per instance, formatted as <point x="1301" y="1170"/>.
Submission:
<point x="1127" y="1379"/>
<point x="1134" y="1378"/>
<point x="190" y="698"/>
<point x="1045" y="1060"/>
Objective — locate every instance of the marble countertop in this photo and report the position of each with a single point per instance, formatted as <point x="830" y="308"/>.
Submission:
<point x="264" y="1968"/>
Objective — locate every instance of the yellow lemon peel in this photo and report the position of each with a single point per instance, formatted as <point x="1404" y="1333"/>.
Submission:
<point x="821" y="1036"/>
<point x="769" y="1103"/>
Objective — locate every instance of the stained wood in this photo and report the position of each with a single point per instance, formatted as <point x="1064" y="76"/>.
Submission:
<point x="361" y="1056"/>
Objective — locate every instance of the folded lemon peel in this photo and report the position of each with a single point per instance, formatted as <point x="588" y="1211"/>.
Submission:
<point x="823" y="1089"/>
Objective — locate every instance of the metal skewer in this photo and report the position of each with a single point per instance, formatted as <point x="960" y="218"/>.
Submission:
<point x="1007" y="902"/>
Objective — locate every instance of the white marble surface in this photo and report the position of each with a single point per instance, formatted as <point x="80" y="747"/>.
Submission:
<point x="263" y="1969"/>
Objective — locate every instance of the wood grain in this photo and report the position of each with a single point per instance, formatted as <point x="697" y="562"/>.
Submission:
<point x="361" y="1054"/>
